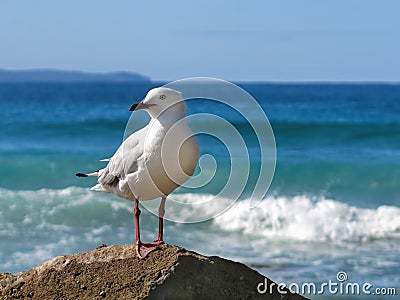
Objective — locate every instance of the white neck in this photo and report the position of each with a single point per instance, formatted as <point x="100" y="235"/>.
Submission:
<point x="168" y="117"/>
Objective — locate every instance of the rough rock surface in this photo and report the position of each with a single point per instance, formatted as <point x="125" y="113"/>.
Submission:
<point x="116" y="273"/>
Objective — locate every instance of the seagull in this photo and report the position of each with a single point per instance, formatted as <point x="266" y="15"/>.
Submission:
<point x="153" y="161"/>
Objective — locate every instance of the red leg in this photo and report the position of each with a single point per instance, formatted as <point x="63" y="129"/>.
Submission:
<point x="136" y="212"/>
<point x="142" y="250"/>
<point x="161" y="212"/>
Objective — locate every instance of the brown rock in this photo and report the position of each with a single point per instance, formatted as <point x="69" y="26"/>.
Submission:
<point x="116" y="273"/>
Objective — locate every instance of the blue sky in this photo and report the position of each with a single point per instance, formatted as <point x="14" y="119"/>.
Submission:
<point x="303" y="40"/>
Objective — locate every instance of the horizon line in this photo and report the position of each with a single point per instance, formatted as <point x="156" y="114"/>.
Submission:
<point x="243" y="81"/>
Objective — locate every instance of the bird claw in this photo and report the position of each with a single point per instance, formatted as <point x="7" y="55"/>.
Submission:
<point x="142" y="250"/>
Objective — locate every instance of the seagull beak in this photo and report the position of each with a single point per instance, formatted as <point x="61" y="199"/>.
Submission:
<point x="140" y="105"/>
<point x="136" y="106"/>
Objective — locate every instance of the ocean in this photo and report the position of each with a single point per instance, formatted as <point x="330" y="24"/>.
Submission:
<point x="333" y="204"/>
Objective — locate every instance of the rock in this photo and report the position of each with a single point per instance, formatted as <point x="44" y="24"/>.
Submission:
<point x="116" y="273"/>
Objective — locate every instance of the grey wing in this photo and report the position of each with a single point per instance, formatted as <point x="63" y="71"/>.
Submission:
<point x="125" y="159"/>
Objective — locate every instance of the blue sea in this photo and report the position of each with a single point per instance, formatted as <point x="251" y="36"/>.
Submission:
<point x="333" y="204"/>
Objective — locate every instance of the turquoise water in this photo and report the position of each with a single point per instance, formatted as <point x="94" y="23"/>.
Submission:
<point x="333" y="204"/>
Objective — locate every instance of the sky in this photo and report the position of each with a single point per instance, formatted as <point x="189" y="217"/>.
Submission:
<point x="298" y="40"/>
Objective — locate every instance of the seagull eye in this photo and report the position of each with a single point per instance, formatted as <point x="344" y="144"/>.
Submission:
<point x="162" y="97"/>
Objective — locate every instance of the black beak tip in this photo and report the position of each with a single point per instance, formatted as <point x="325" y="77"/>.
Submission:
<point x="133" y="107"/>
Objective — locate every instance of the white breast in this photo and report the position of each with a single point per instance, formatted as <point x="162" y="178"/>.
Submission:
<point x="170" y="157"/>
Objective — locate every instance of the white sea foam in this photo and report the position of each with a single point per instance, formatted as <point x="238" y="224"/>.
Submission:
<point x="304" y="218"/>
<point x="301" y="218"/>
<point x="39" y="253"/>
<point x="38" y="225"/>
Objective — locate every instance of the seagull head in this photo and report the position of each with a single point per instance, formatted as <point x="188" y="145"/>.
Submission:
<point x="160" y="100"/>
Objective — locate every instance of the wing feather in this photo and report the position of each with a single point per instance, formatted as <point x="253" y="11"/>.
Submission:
<point x="125" y="159"/>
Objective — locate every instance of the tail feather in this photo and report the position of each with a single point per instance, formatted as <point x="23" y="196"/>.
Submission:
<point x="81" y="175"/>
<point x="96" y="173"/>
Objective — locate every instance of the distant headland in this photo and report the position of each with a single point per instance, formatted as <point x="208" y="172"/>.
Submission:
<point x="53" y="75"/>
